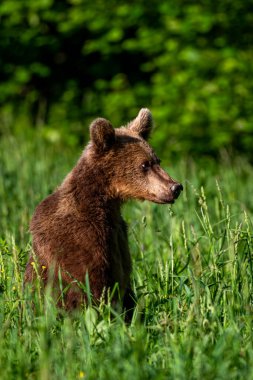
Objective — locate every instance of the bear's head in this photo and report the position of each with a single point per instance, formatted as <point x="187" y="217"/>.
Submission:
<point x="131" y="167"/>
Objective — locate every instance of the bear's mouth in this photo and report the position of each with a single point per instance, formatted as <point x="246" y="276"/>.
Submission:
<point x="162" y="201"/>
<point x="166" y="201"/>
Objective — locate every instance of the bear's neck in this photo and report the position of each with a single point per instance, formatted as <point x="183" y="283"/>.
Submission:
<point x="90" y="190"/>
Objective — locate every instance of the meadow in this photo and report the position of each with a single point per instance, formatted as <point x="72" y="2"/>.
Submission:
<point x="192" y="273"/>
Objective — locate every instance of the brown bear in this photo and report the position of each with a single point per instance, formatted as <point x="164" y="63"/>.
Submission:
<point x="78" y="231"/>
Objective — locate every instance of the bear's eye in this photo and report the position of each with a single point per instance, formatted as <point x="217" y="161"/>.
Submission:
<point x="146" y="166"/>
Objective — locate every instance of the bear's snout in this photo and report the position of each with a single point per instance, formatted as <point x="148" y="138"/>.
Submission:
<point x="176" y="189"/>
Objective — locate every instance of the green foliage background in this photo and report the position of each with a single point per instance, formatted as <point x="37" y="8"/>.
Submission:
<point x="64" y="62"/>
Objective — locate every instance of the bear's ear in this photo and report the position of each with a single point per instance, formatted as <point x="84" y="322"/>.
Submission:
<point x="143" y="123"/>
<point x="102" y="134"/>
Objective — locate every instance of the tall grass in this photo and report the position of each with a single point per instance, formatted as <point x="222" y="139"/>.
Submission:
<point x="192" y="273"/>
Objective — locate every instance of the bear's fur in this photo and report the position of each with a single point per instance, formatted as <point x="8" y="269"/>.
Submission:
<point x="78" y="230"/>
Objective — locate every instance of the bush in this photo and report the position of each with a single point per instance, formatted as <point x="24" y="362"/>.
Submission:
<point x="66" y="62"/>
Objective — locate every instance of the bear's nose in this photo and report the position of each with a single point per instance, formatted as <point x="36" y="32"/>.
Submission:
<point x="176" y="189"/>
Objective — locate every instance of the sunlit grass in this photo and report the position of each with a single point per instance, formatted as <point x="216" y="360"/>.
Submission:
<point x="192" y="273"/>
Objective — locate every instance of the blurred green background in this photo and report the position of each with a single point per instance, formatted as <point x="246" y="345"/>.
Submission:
<point x="65" y="62"/>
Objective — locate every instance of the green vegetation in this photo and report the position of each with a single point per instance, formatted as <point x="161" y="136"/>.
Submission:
<point x="192" y="274"/>
<point x="64" y="62"/>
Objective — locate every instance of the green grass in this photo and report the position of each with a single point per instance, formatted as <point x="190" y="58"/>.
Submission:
<point x="192" y="273"/>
